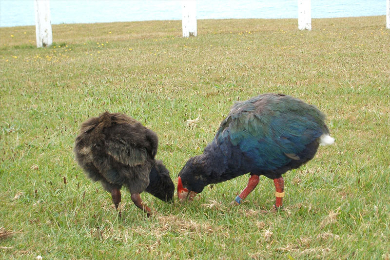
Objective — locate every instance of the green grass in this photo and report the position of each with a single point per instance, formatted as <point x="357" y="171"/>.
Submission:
<point x="336" y="207"/>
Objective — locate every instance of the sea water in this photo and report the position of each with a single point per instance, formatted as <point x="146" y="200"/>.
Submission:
<point x="22" y="12"/>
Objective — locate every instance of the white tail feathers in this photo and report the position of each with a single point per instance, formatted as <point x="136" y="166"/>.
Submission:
<point x="326" y="139"/>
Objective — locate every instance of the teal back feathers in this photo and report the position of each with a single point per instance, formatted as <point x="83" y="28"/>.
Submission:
<point x="271" y="130"/>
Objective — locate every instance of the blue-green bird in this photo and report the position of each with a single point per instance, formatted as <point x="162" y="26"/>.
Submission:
<point x="265" y="135"/>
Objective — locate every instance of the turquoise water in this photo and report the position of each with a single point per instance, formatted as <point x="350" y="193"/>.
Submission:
<point x="21" y="12"/>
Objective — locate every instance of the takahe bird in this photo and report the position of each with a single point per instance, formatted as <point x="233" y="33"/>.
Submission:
<point x="265" y="135"/>
<point x="117" y="150"/>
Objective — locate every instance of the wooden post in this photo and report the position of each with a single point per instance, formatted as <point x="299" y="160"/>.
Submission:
<point x="43" y="23"/>
<point x="189" y="18"/>
<point x="388" y="14"/>
<point x="304" y="14"/>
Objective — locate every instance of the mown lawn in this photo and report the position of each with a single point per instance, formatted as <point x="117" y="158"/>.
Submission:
<point x="336" y="207"/>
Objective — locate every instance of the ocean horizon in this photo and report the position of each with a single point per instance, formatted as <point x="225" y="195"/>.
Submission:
<point x="22" y="12"/>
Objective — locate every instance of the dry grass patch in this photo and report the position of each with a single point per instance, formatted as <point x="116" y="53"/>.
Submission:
<point x="5" y="233"/>
<point x="184" y="227"/>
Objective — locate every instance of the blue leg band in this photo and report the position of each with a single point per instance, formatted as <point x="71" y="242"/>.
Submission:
<point x="238" y="200"/>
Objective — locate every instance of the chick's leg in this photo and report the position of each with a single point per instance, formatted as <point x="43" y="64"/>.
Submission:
<point x="116" y="198"/>
<point x="279" y="194"/>
<point x="252" y="183"/>
<point x="136" y="198"/>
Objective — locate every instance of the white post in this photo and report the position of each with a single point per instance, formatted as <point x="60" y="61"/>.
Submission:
<point x="304" y="14"/>
<point x="189" y="18"/>
<point x="43" y="23"/>
<point x="388" y="14"/>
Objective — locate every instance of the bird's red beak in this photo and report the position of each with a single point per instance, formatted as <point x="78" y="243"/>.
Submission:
<point x="184" y="193"/>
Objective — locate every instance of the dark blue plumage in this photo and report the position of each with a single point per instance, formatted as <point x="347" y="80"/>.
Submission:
<point x="266" y="135"/>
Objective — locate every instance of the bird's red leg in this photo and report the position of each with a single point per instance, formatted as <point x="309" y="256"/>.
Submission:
<point x="252" y="183"/>
<point x="116" y="198"/>
<point x="136" y="198"/>
<point x="279" y="186"/>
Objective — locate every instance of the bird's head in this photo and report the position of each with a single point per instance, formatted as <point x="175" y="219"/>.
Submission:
<point x="183" y="193"/>
<point x="160" y="184"/>
<point x="191" y="180"/>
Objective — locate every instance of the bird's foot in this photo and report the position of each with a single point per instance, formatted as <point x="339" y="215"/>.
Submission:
<point x="237" y="201"/>
<point x="277" y="209"/>
<point x="148" y="212"/>
<point x="234" y="203"/>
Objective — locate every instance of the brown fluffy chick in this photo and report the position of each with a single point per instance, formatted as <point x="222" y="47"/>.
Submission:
<point x="117" y="150"/>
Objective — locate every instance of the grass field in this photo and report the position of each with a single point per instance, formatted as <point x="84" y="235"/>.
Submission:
<point x="336" y="207"/>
